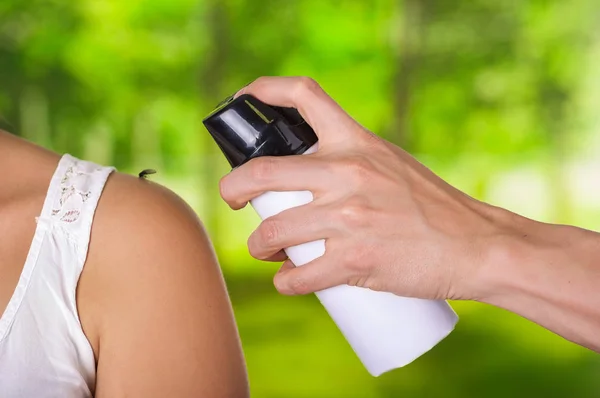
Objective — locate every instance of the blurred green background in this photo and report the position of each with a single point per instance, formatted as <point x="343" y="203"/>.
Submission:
<point x="501" y="98"/>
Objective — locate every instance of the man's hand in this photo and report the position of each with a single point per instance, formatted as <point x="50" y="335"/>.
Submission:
<point x="389" y="223"/>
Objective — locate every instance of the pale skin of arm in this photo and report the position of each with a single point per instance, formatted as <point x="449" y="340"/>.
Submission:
<point x="153" y="302"/>
<point x="391" y="224"/>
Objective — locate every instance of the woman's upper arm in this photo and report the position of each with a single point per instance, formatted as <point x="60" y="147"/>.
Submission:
<point x="153" y="301"/>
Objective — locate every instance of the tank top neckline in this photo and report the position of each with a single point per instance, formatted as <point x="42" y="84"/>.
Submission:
<point x="43" y="223"/>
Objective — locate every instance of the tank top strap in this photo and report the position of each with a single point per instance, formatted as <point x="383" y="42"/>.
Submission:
<point x="73" y="197"/>
<point x="44" y="351"/>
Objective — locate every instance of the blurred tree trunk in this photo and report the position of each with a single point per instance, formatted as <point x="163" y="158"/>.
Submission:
<point x="408" y="58"/>
<point x="35" y="122"/>
<point x="144" y="140"/>
<point x="212" y="75"/>
<point x="553" y="103"/>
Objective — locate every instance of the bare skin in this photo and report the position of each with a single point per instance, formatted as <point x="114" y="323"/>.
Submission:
<point x="390" y="224"/>
<point x="151" y="297"/>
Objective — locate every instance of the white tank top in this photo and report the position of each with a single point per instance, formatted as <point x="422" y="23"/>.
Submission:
<point x="43" y="350"/>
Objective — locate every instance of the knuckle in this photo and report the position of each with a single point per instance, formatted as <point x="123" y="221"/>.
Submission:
<point x="355" y="259"/>
<point x="356" y="172"/>
<point x="353" y="213"/>
<point x="260" y="80"/>
<point x="270" y="232"/>
<point x="333" y="169"/>
<point x="306" y="85"/>
<point x="369" y="139"/>
<point x="262" y="168"/>
<point x="298" y="285"/>
<point x="359" y="168"/>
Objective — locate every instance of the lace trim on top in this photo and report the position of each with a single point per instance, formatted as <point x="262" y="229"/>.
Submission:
<point x="72" y="195"/>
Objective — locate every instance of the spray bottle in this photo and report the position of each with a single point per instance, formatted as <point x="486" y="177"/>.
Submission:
<point x="385" y="331"/>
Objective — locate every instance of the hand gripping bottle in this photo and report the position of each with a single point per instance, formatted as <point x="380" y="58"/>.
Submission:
<point x="386" y="331"/>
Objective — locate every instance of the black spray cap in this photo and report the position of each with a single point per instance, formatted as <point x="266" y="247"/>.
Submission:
<point x="246" y="128"/>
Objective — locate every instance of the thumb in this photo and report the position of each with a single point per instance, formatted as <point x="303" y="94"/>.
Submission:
<point x="315" y="276"/>
<point x="319" y="110"/>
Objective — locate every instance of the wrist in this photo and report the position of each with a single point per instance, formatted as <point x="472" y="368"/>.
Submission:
<point x="504" y="250"/>
<point x="522" y="256"/>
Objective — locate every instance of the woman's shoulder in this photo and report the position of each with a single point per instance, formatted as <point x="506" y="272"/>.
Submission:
<point x="137" y="219"/>
<point x="152" y="279"/>
<point x="139" y="210"/>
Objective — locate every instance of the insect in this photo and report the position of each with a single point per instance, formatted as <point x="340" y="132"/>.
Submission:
<point x="145" y="173"/>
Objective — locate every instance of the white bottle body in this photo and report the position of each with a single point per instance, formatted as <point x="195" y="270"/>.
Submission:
<point x="386" y="331"/>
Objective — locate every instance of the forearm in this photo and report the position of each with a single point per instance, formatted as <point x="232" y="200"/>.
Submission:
<point x="549" y="274"/>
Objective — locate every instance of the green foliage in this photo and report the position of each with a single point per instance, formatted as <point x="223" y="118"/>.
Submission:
<point x="499" y="97"/>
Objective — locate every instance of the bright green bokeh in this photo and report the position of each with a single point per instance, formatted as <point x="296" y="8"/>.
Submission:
<point x="499" y="97"/>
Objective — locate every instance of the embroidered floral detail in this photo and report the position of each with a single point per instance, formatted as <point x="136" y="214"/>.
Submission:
<point x="66" y="193"/>
<point x="67" y="209"/>
<point x="71" y="172"/>
<point x="85" y="195"/>
<point x="70" y="216"/>
<point x="66" y="176"/>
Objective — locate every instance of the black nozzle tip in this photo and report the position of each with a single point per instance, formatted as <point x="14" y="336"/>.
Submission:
<point x="246" y="128"/>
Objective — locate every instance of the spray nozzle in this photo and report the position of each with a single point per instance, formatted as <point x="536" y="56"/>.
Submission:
<point x="246" y="128"/>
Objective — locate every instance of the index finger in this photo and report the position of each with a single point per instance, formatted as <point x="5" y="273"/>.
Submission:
<point x="283" y="173"/>
<point x="303" y="93"/>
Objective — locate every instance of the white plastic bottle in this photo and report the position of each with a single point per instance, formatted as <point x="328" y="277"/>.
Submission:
<point x="386" y="331"/>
